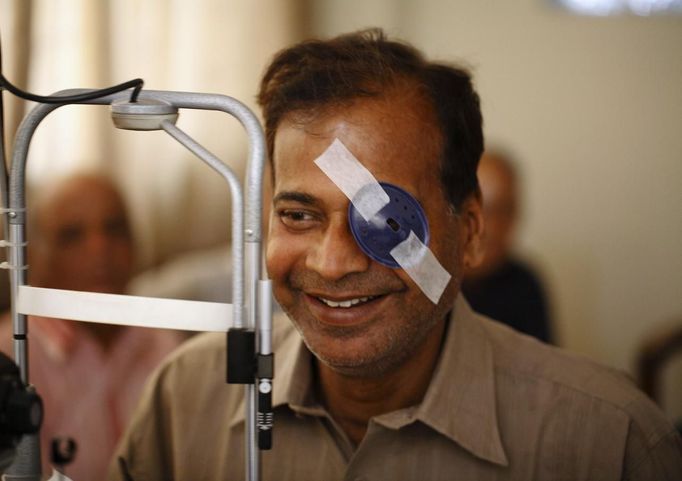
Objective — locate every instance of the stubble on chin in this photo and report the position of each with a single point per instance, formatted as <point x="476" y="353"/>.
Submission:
<point x="386" y="352"/>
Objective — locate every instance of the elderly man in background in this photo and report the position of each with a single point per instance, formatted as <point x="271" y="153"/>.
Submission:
<point x="504" y="287"/>
<point x="89" y="375"/>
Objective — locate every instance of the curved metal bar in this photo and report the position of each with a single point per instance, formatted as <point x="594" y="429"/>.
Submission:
<point x="237" y="211"/>
<point x="185" y="100"/>
<point x="252" y="216"/>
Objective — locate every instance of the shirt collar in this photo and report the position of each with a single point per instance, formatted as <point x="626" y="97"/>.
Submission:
<point x="293" y="384"/>
<point x="460" y="402"/>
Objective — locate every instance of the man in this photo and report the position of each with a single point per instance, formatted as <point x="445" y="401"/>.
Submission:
<point x="89" y="375"/>
<point x="383" y="382"/>
<point x="501" y="286"/>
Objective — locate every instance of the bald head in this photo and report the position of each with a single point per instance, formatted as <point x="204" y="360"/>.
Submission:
<point x="79" y="236"/>
<point x="497" y="179"/>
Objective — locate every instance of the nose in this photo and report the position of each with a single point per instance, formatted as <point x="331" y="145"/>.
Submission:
<point x="97" y="242"/>
<point x="337" y="254"/>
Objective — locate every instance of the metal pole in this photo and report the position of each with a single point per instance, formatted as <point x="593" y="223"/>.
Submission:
<point x="243" y="289"/>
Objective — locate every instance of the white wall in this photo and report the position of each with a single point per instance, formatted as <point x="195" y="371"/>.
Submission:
<point x="593" y="109"/>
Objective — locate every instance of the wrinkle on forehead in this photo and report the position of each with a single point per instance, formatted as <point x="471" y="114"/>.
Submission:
<point x="372" y="121"/>
<point x="406" y="95"/>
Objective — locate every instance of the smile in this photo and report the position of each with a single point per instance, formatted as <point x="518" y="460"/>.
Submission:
<point x="345" y="303"/>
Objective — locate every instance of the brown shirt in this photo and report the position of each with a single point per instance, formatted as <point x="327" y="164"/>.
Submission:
<point x="500" y="406"/>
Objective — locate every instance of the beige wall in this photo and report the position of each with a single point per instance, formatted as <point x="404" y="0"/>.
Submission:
<point x="216" y="46"/>
<point x="593" y="109"/>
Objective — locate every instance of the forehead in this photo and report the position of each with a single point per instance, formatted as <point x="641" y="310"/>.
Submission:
<point x="395" y="136"/>
<point x="80" y="201"/>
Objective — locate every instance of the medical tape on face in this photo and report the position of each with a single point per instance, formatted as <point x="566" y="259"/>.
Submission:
<point x="412" y="255"/>
<point x="420" y="263"/>
<point x="350" y="176"/>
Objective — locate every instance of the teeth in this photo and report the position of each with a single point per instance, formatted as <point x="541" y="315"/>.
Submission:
<point x="347" y="303"/>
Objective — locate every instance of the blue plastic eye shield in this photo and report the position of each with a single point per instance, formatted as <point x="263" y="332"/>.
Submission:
<point x="390" y="226"/>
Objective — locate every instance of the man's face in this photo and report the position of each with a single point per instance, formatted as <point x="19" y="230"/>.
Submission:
<point x="357" y="316"/>
<point x="84" y="239"/>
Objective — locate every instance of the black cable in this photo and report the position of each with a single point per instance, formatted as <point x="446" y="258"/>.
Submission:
<point x="135" y="84"/>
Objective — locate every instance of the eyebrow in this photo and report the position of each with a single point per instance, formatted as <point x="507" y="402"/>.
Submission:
<point x="293" y="196"/>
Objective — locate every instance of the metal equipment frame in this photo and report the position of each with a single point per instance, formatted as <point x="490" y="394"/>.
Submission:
<point x="250" y="358"/>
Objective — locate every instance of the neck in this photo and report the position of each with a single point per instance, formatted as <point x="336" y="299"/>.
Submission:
<point x="104" y="334"/>
<point x="353" y="401"/>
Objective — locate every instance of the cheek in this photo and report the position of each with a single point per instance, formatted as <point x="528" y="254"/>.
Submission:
<point x="274" y="258"/>
<point x="445" y="234"/>
<point x="281" y="254"/>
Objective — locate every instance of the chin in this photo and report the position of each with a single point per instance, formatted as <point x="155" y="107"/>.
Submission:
<point x="362" y="368"/>
<point x="359" y="361"/>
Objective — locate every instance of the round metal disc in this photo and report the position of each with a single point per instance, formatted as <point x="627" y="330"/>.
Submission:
<point x="390" y="226"/>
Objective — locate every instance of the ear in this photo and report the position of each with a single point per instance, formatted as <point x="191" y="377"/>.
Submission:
<point x="472" y="227"/>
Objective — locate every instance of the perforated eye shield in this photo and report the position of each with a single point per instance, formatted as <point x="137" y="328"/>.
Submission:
<point x="388" y="223"/>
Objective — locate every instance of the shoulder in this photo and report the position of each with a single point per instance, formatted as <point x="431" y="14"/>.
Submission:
<point x="523" y="272"/>
<point x="576" y="394"/>
<point x="525" y="358"/>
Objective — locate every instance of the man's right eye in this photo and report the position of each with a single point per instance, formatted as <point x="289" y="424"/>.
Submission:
<point x="296" y="219"/>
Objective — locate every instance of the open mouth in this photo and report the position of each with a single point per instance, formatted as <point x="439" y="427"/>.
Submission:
<point x="345" y="304"/>
<point x="348" y="309"/>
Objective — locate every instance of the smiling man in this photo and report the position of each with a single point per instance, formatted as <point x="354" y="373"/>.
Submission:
<point x="385" y="375"/>
<point x="376" y="335"/>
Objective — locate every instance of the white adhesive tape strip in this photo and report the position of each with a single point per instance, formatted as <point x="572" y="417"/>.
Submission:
<point x="422" y="266"/>
<point x="346" y="171"/>
<point x="124" y="310"/>
<point x="350" y="176"/>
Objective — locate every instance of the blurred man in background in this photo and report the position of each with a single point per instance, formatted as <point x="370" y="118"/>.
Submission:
<point x="503" y="287"/>
<point x="89" y="375"/>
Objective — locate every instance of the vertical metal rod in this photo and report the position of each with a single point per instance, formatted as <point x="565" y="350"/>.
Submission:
<point x="239" y="287"/>
<point x="265" y="373"/>
<point x="17" y="273"/>
<point x="264" y="320"/>
<point x="252" y="455"/>
<point x="252" y="263"/>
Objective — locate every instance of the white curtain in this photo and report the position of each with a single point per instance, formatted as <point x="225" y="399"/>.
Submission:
<point x="217" y="46"/>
